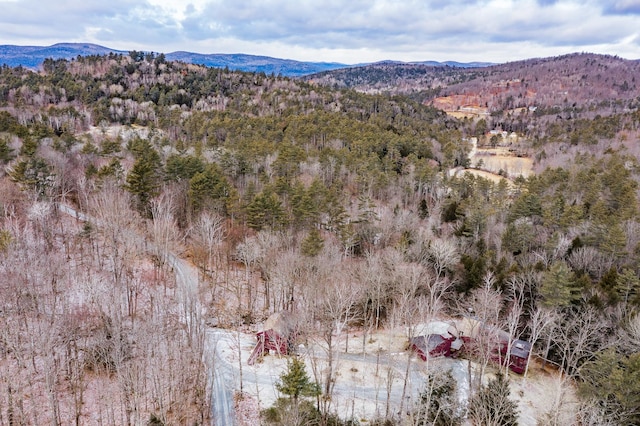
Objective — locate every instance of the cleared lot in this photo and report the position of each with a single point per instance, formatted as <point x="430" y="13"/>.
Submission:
<point x="369" y="383"/>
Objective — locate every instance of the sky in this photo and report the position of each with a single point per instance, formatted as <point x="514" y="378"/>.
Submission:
<point x="345" y="31"/>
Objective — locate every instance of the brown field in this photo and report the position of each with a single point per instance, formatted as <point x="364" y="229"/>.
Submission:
<point x="496" y="159"/>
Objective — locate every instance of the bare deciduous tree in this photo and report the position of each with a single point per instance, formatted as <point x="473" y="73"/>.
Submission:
<point x="484" y="305"/>
<point x="209" y="231"/>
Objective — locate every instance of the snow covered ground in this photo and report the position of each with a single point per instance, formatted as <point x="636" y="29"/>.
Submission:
<point x="369" y="377"/>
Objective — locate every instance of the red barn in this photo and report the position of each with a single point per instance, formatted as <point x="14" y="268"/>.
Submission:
<point x="277" y="335"/>
<point x="519" y="356"/>
<point x="435" y="345"/>
<point x="481" y="338"/>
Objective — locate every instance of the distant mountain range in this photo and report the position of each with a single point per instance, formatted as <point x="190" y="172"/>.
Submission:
<point x="252" y="63"/>
<point x="434" y="64"/>
<point x="33" y="56"/>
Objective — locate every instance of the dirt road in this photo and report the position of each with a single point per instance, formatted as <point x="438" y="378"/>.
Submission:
<point x="220" y="373"/>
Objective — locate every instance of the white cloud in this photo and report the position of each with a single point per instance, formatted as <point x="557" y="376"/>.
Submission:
<point x="345" y="31"/>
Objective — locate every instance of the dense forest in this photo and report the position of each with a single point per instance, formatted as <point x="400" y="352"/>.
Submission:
<point x="321" y="200"/>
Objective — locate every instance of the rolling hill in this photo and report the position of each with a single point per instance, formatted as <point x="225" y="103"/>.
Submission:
<point x="574" y="84"/>
<point x="33" y="56"/>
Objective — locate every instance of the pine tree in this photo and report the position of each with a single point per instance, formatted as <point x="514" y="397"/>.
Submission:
<point x="265" y="210"/>
<point x="491" y="405"/>
<point x="6" y="153"/>
<point x="304" y="211"/>
<point x="5" y="240"/>
<point x="296" y="383"/>
<point x="557" y="289"/>
<point x="33" y="173"/>
<point x="142" y="181"/>
<point x="438" y="404"/>
<point x="613" y="379"/>
<point x="312" y="245"/>
<point x="628" y="287"/>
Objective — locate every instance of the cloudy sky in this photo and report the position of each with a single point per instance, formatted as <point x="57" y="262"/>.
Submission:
<point x="347" y="31"/>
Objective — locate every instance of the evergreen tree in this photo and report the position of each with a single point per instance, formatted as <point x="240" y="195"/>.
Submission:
<point x="614" y="241"/>
<point x="438" y="404"/>
<point x="33" y="173"/>
<point x="29" y="147"/>
<point x="265" y="210"/>
<point x="557" y="289"/>
<point x="113" y="169"/>
<point x="628" y="287"/>
<point x="304" y="211"/>
<point x="519" y="236"/>
<point x="614" y="380"/>
<point x="179" y="167"/>
<point x="491" y="405"/>
<point x="6" y="153"/>
<point x="5" y="240"/>
<point x="296" y="383"/>
<point x="526" y="205"/>
<point x="312" y="245"/>
<point x="208" y="189"/>
<point x="144" y="178"/>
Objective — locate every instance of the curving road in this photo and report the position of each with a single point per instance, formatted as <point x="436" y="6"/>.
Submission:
<point x="220" y="375"/>
<point x="220" y="372"/>
<point x="221" y="350"/>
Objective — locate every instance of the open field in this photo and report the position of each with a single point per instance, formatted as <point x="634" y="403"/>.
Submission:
<point x="494" y="160"/>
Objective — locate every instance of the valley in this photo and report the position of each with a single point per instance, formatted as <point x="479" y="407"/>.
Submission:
<point x="154" y="214"/>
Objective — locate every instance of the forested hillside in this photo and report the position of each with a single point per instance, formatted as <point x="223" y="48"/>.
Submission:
<point x="331" y="203"/>
<point x="34" y="56"/>
<point x="416" y="80"/>
<point x="517" y="96"/>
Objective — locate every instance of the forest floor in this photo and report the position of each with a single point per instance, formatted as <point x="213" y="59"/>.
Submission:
<point x="369" y="376"/>
<point x="369" y="369"/>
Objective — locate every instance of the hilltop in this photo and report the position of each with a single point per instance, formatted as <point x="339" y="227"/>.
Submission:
<point x="580" y="80"/>
<point x="34" y="56"/>
<point x="529" y="97"/>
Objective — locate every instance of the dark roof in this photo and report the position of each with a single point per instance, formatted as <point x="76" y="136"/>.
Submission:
<point x="520" y="348"/>
<point x="435" y="340"/>
<point x="419" y="342"/>
<point x="430" y="342"/>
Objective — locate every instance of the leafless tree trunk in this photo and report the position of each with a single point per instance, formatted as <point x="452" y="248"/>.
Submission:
<point x="337" y="300"/>
<point x="209" y="230"/>
<point x="578" y="338"/>
<point x="249" y="252"/>
<point x="517" y="292"/>
<point x="164" y="229"/>
<point x="484" y="306"/>
<point x="541" y="321"/>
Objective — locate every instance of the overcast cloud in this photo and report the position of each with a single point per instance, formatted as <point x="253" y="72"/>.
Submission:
<point x="349" y="31"/>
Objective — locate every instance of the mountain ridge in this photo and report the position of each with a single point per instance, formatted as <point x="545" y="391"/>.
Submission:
<point x="34" y="56"/>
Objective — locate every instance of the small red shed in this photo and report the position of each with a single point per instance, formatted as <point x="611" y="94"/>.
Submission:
<point x="519" y="356"/>
<point x="277" y="335"/>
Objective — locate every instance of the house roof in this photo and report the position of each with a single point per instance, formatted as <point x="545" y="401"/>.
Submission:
<point x="457" y="344"/>
<point x="281" y="322"/>
<point x="430" y="342"/>
<point x="520" y="348"/>
<point x="433" y="327"/>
